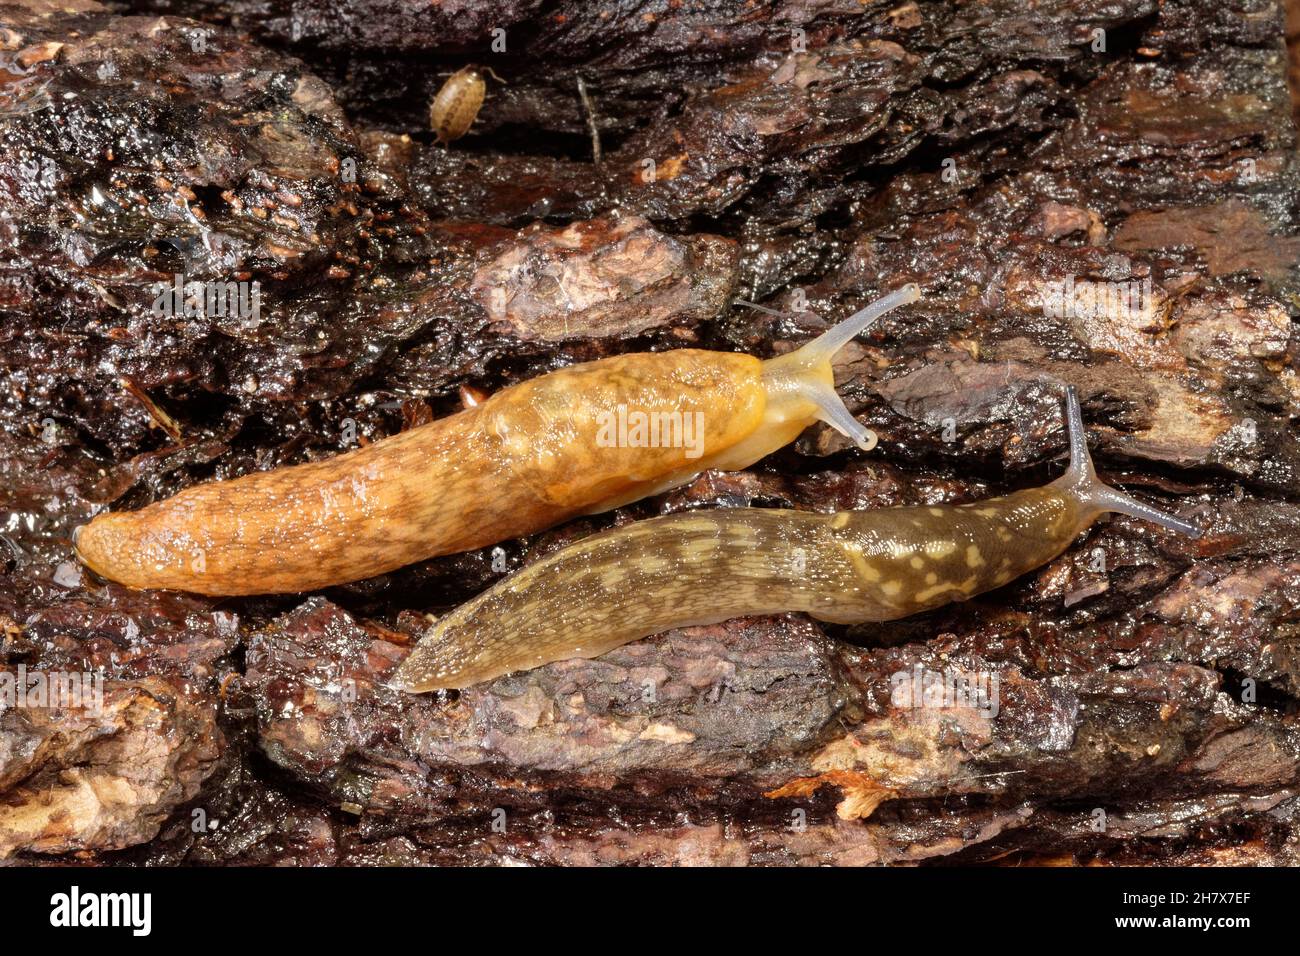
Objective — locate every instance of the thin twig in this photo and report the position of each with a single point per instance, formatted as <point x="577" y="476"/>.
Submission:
<point x="160" y="418"/>
<point x="592" y="128"/>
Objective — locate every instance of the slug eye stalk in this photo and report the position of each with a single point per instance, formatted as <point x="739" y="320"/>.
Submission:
<point x="1081" y="479"/>
<point x="805" y="374"/>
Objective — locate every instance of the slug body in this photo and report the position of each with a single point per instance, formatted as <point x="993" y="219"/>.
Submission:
<point x="578" y="440"/>
<point x="456" y="104"/>
<point x="705" y="567"/>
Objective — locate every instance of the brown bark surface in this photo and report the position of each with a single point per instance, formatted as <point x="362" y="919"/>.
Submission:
<point x="772" y="151"/>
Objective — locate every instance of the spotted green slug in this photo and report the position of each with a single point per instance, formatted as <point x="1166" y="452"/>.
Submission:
<point x="706" y="566"/>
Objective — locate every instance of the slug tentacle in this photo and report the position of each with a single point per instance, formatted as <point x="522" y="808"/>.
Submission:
<point x="705" y="567"/>
<point x="824" y="347"/>
<point x="804" y="379"/>
<point x="1082" y="479"/>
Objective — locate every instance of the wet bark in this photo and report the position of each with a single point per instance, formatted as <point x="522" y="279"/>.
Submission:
<point x="1147" y="686"/>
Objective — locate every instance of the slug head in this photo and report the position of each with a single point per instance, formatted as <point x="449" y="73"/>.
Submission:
<point x="751" y="408"/>
<point x="1081" y="482"/>
<point x="800" y="385"/>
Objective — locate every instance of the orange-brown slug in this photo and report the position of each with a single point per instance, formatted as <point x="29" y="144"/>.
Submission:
<point x="579" y="440"/>
<point x="702" y="567"/>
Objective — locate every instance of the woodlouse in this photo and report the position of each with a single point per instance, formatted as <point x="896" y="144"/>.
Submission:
<point x="456" y="105"/>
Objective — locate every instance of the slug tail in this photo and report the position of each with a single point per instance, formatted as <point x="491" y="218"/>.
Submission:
<point x="624" y="584"/>
<point x="805" y="374"/>
<point x="1082" y="480"/>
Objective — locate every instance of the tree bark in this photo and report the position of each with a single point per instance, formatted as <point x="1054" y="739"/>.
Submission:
<point x="806" y="155"/>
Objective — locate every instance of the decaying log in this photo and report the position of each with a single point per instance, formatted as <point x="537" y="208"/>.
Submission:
<point x="809" y="156"/>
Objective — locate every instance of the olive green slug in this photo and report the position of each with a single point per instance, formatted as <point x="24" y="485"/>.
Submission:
<point x="702" y="567"/>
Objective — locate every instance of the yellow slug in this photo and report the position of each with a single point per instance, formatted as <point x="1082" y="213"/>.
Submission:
<point x="702" y="567"/>
<point x="579" y="440"/>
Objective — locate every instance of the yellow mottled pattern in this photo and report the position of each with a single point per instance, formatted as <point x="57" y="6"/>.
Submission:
<point x="548" y="427"/>
<point x="939" y="555"/>
<point x="524" y="460"/>
<point x="706" y="567"/>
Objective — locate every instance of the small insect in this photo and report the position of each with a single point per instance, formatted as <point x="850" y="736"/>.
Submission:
<point x="702" y="567"/>
<point x="531" y="456"/>
<point x="456" y="105"/>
